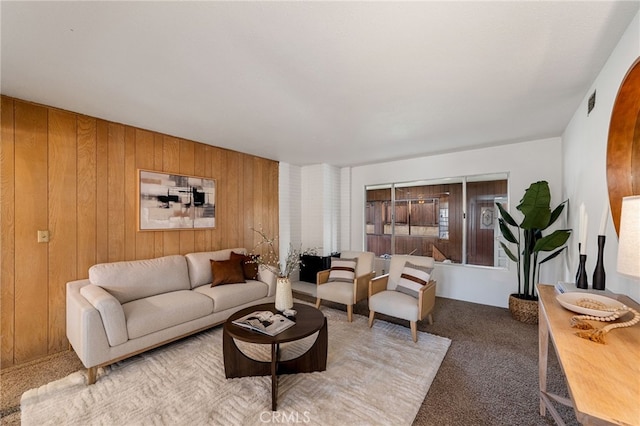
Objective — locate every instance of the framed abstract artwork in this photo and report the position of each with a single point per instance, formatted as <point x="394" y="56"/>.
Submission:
<point x="168" y="201"/>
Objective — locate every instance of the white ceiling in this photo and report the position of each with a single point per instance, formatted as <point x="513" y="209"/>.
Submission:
<point x="341" y="83"/>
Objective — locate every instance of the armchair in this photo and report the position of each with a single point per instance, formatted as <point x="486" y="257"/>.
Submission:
<point x="347" y="292"/>
<point x="406" y="292"/>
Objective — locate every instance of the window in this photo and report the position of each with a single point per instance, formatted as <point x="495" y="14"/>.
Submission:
<point x="427" y="218"/>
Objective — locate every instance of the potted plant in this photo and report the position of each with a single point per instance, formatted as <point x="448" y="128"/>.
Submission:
<point x="529" y="241"/>
<point x="265" y="253"/>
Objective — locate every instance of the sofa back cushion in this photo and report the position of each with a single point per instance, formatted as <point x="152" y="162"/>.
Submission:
<point x="136" y="279"/>
<point x="199" y="264"/>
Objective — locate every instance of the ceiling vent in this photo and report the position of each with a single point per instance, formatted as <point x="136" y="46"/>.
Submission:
<point x="592" y="102"/>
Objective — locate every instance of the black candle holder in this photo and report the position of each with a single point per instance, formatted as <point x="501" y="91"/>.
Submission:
<point x="599" y="275"/>
<point x="580" y="265"/>
<point x="581" y="280"/>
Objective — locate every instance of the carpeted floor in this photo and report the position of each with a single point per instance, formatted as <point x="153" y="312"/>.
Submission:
<point x="488" y="377"/>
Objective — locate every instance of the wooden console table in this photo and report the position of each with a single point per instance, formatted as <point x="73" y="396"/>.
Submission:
<point x="603" y="380"/>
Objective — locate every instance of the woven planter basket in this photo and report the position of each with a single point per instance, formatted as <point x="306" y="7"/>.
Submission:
<point x="522" y="310"/>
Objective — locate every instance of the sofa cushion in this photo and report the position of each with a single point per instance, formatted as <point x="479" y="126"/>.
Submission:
<point x="199" y="264"/>
<point x="137" y="279"/>
<point x="342" y="270"/>
<point x="249" y="265"/>
<point x="155" y="313"/>
<point x="226" y="272"/>
<point x="232" y="295"/>
<point x="339" y="292"/>
<point x="413" y="278"/>
<point x="395" y="304"/>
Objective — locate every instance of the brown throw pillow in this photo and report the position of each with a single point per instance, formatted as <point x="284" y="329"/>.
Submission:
<point x="249" y="267"/>
<point x="226" y="272"/>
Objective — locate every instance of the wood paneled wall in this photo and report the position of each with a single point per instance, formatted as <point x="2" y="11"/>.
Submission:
<point x="378" y="202"/>
<point x="481" y="242"/>
<point x="75" y="176"/>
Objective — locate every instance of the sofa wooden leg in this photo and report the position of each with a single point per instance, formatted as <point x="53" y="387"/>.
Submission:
<point x="350" y="313"/>
<point x="91" y="375"/>
<point x="414" y="331"/>
<point x="318" y="303"/>
<point x="372" y="314"/>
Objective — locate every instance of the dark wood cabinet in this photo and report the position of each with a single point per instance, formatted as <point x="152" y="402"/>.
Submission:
<point x="311" y="265"/>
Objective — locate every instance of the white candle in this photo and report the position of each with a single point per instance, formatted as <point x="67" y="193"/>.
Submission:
<point x="583" y="246"/>
<point x="603" y="221"/>
<point x="581" y="226"/>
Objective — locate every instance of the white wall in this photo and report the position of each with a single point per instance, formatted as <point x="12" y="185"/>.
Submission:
<point x="344" y="236"/>
<point x="584" y="159"/>
<point x="320" y="208"/>
<point x="574" y="166"/>
<point x="525" y="162"/>
<point x="290" y="193"/>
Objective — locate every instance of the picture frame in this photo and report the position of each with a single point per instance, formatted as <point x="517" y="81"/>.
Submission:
<point x="170" y="201"/>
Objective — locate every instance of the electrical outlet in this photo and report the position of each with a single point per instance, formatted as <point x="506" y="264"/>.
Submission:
<point x="43" y="236"/>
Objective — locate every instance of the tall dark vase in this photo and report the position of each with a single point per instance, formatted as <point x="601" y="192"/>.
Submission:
<point x="581" y="281"/>
<point x="598" y="274"/>
<point x="580" y="265"/>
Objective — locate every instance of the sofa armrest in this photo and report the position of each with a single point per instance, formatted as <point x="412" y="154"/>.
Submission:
<point x="361" y="287"/>
<point x="268" y="277"/>
<point x="378" y="284"/>
<point x="322" y="276"/>
<point x="426" y="299"/>
<point x="85" y="329"/>
<point x="111" y="312"/>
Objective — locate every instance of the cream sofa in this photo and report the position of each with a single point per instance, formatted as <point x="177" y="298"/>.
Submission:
<point x="125" y="308"/>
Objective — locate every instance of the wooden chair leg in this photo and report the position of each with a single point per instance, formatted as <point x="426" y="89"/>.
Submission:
<point x="430" y="319"/>
<point x="350" y="313"/>
<point x="371" y="316"/>
<point x="91" y="375"/>
<point x="318" y="303"/>
<point x="414" y="331"/>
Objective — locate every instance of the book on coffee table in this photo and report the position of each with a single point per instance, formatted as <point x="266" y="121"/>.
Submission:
<point x="265" y="322"/>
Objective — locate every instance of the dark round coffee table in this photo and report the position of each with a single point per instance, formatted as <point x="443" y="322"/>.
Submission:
<point x="308" y="321"/>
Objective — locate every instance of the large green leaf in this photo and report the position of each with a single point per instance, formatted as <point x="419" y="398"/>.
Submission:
<point x="509" y="253"/>
<point x="535" y="206"/>
<point x="506" y="216"/>
<point x="552" y="241"/>
<point x="506" y="232"/>
<point x="555" y="214"/>
<point x="552" y="255"/>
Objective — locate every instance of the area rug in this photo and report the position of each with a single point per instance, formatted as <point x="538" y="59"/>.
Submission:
<point x="374" y="376"/>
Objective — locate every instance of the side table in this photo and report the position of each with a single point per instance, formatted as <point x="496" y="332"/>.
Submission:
<point x="308" y="321"/>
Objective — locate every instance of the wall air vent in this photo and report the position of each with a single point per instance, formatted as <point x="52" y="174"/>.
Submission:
<point x="592" y="102"/>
